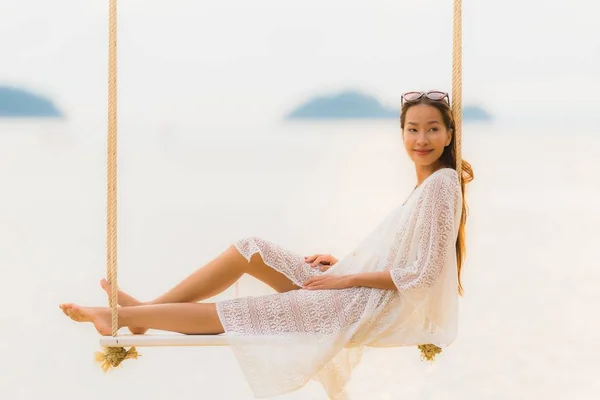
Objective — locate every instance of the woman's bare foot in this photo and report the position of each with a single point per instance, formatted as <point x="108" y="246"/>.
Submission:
<point x="124" y="300"/>
<point x="99" y="316"/>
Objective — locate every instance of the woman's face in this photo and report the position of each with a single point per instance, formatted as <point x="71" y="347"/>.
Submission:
<point x="425" y="135"/>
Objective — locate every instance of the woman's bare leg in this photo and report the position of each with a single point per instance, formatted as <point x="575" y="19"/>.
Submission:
<point x="221" y="273"/>
<point x="186" y="318"/>
<point x="212" y="279"/>
<point x="215" y="277"/>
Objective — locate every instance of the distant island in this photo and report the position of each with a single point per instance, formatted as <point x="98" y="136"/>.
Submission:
<point x="355" y="105"/>
<point x="20" y="103"/>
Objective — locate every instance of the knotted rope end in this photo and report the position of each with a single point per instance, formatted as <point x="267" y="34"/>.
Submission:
<point x="429" y="351"/>
<point x="112" y="357"/>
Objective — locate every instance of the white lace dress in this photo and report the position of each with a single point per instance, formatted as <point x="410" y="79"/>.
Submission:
<point x="319" y="334"/>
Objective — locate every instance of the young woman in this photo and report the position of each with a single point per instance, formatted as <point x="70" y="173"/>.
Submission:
<point x="398" y="288"/>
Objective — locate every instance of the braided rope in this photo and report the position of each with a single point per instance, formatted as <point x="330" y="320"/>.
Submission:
<point x="429" y="351"/>
<point x="457" y="83"/>
<point x="111" y="232"/>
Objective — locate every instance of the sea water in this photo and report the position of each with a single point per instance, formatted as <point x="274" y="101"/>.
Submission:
<point x="528" y="320"/>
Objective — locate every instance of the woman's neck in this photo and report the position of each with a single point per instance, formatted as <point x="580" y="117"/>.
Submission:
<point x="424" y="171"/>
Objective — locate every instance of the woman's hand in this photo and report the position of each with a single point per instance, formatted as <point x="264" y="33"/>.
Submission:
<point x="328" y="282"/>
<point x="326" y="261"/>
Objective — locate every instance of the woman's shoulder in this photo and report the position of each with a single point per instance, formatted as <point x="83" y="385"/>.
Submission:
<point x="444" y="179"/>
<point x="444" y="175"/>
<point x="442" y="184"/>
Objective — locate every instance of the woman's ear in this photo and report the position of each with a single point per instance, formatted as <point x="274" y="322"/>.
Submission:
<point x="450" y="133"/>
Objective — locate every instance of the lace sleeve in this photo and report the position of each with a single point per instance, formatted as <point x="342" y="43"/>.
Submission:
<point x="434" y="233"/>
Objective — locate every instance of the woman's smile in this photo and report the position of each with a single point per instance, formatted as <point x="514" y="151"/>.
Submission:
<point x="423" y="152"/>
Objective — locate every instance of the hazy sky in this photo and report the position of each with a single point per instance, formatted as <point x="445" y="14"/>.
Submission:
<point x="255" y="60"/>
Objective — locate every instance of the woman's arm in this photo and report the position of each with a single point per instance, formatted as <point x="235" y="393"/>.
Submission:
<point x="434" y="238"/>
<point x="435" y="235"/>
<point x="377" y="280"/>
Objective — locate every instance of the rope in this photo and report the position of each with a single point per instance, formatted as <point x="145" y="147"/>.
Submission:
<point x="457" y="83"/>
<point x="112" y="357"/>
<point x="429" y="351"/>
<point x="111" y="227"/>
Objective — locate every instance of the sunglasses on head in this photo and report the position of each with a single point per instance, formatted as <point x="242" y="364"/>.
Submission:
<point x="434" y="95"/>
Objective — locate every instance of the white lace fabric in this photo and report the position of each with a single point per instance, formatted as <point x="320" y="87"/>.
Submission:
<point x="320" y="334"/>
